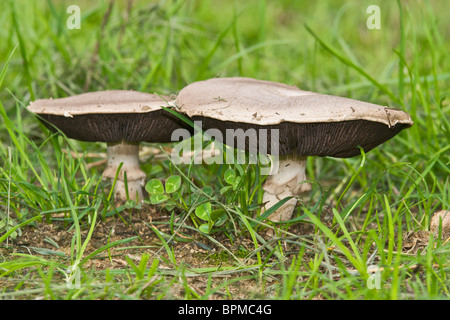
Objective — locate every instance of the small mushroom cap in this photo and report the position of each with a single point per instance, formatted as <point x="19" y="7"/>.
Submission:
<point x="443" y="217"/>
<point x="100" y="102"/>
<point x="309" y="124"/>
<point x="110" y="116"/>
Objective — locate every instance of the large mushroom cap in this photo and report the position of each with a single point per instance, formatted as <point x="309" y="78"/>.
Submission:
<point x="110" y="116"/>
<point x="309" y="124"/>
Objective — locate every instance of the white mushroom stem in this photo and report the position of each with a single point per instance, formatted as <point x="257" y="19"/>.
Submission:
<point x="128" y="154"/>
<point x="286" y="182"/>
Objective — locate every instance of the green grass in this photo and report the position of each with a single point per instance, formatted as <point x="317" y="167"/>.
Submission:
<point x="371" y="201"/>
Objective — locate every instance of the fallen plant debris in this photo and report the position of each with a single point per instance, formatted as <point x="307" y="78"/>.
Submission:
<point x="413" y="241"/>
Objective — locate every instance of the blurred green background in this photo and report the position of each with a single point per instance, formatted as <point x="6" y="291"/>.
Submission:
<point x="164" y="45"/>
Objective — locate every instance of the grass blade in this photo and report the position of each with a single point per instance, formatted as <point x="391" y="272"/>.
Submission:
<point x="350" y="63"/>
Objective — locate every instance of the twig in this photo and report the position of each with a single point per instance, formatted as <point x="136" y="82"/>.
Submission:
<point x="96" y="164"/>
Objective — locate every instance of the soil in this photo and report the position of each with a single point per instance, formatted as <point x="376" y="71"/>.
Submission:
<point x="190" y="248"/>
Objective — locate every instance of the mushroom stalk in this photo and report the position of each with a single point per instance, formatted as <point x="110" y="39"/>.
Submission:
<point x="128" y="154"/>
<point x="286" y="182"/>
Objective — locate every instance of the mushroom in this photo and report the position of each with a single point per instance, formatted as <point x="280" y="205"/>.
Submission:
<point x="122" y="119"/>
<point x="441" y="218"/>
<point x="307" y="123"/>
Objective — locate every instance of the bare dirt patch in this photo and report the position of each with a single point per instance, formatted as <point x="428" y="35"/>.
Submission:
<point x="192" y="252"/>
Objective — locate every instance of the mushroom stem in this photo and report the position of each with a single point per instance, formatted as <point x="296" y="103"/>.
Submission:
<point x="286" y="182"/>
<point x="128" y="154"/>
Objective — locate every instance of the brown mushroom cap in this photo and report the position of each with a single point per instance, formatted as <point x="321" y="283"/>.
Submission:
<point x="110" y="116"/>
<point x="309" y="124"/>
<point x="442" y="217"/>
